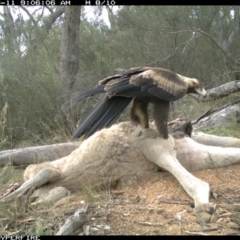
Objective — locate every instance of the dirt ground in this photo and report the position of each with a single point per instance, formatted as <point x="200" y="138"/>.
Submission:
<point x="152" y="205"/>
<point x="158" y="205"/>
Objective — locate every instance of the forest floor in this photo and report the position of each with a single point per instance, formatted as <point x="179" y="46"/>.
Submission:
<point x="158" y="205"/>
<point x="152" y="205"/>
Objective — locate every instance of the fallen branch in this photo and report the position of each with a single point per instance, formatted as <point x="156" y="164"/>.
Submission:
<point x="73" y="222"/>
<point x="197" y="233"/>
<point x="149" y="224"/>
<point x="231" y="207"/>
<point x="219" y="92"/>
<point x="30" y="155"/>
<point x="206" y="229"/>
<point x="237" y="233"/>
<point x="183" y="202"/>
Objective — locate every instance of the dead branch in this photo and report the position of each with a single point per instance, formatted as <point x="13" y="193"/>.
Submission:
<point x="197" y="233"/>
<point x="181" y="202"/>
<point x="25" y="156"/>
<point x="224" y="52"/>
<point x="224" y="116"/>
<point x="207" y="229"/>
<point x="219" y="92"/>
<point x="73" y="222"/>
<point x="149" y="224"/>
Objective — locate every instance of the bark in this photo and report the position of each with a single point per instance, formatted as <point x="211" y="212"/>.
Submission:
<point x="112" y="18"/>
<point x="73" y="222"/>
<point x="49" y="21"/>
<point x="9" y="29"/>
<point x="228" y="115"/>
<point x="226" y="40"/>
<point x="69" y="53"/>
<point x="25" y="156"/>
<point x="219" y="92"/>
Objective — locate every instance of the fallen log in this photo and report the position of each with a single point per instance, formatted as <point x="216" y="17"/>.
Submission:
<point x="24" y="156"/>
<point x="228" y="115"/>
<point x="213" y="140"/>
<point x="30" y="155"/>
<point x="219" y="91"/>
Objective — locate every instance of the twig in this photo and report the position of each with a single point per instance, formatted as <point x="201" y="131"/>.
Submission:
<point x="227" y="199"/>
<point x="231" y="207"/>
<point x="226" y="214"/>
<point x="149" y="224"/>
<point x="179" y="218"/>
<point x="207" y="229"/>
<point x="182" y="202"/>
<point x="73" y="222"/>
<point x="232" y="233"/>
<point x="197" y="233"/>
<point x="226" y="55"/>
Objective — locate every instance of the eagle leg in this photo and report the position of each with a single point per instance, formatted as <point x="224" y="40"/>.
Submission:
<point x="160" y="115"/>
<point x="139" y="113"/>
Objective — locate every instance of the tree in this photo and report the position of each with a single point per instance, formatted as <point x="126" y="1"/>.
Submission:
<point x="69" y="52"/>
<point x="28" y="70"/>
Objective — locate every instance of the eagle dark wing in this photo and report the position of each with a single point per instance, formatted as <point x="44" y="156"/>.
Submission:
<point x="90" y="92"/>
<point x="110" y="108"/>
<point x="120" y="81"/>
<point x="102" y="115"/>
<point x="149" y="84"/>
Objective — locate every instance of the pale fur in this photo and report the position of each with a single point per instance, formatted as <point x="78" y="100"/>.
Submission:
<point x="110" y="154"/>
<point x="102" y="159"/>
<point x="122" y="150"/>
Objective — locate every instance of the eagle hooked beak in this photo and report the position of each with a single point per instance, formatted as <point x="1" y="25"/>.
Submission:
<point x="201" y="91"/>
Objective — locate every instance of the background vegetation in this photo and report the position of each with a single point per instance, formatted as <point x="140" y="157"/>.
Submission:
<point x="35" y="108"/>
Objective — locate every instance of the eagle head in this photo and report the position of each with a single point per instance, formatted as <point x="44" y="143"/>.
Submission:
<point x="194" y="86"/>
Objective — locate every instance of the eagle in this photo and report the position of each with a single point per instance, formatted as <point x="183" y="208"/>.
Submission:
<point x="143" y="85"/>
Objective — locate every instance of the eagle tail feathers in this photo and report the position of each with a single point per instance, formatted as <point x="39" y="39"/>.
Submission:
<point x="101" y="116"/>
<point x="90" y="92"/>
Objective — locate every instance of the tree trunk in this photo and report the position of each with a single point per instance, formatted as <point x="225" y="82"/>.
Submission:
<point x="9" y="30"/>
<point x="69" y="52"/>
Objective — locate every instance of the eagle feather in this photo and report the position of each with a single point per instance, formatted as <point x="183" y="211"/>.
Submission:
<point x="144" y="85"/>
